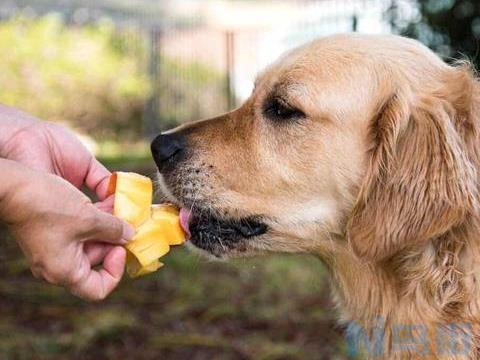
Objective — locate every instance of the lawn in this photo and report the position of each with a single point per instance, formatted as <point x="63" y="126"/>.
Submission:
<point x="274" y="307"/>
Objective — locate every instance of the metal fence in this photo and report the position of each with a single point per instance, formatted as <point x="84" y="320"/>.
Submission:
<point x="202" y="56"/>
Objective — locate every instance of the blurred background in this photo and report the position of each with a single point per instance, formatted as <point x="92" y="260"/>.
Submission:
<point x="119" y="71"/>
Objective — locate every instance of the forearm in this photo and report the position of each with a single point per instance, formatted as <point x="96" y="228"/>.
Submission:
<point x="12" y="122"/>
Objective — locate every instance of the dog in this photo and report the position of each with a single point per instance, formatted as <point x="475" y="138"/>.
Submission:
<point x="365" y="151"/>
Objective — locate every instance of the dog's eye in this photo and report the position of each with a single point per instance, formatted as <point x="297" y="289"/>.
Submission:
<point x="278" y="109"/>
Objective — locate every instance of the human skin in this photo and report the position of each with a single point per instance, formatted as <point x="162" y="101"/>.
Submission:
<point x="61" y="232"/>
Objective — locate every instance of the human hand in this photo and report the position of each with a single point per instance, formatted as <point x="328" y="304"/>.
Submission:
<point x="53" y="149"/>
<point x="50" y="147"/>
<point x="58" y="228"/>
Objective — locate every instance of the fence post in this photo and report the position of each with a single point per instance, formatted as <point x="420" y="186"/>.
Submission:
<point x="230" y="60"/>
<point x="354" y="22"/>
<point x="392" y="14"/>
<point x="151" y="120"/>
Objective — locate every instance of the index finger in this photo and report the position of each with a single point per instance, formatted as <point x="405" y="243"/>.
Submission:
<point x="97" y="178"/>
<point x="98" y="284"/>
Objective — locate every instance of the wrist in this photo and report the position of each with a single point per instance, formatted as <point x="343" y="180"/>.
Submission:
<point x="12" y="122"/>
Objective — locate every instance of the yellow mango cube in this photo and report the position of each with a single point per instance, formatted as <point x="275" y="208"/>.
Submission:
<point x="133" y="197"/>
<point x="168" y="216"/>
<point x="157" y="226"/>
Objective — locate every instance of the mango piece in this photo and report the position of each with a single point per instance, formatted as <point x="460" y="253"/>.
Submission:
<point x="133" y="196"/>
<point x="149" y="243"/>
<point x="168" y="216"/>
<point x="158" y="226"/>
<point x="135" y="269"/>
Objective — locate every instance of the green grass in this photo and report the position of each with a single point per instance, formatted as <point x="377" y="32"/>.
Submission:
<point x="273" y="307"/>
<point x="126" y="156"/>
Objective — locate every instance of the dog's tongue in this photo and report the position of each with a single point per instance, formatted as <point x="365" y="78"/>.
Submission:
<point x="185" y="220"/>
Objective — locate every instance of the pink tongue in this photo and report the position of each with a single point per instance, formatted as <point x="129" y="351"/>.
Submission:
<point x="184" y="220"/>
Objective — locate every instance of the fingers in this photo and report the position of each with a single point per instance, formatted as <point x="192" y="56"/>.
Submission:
<point x="106" y="205"/>
<point x="96" y="252"/>
<point x="80" y="277"/>
<point x="97" y="285"/>
<point x="108" y="228"/>
<point x="97" y="178"/>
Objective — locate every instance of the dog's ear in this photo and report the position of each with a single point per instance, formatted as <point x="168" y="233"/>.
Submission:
<point x="420" y="181"/>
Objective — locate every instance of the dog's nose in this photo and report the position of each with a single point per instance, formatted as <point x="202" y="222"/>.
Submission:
<point x="166" y="147"/>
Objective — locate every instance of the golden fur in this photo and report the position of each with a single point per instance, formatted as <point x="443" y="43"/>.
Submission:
<point x="379" y="180"/>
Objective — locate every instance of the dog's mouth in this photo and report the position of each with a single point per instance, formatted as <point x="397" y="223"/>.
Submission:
<point x="219" y="236"/>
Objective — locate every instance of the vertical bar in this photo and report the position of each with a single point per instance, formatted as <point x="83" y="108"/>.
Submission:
<point x="392" y="15"/>
<point x="354" y="22"/>
<point x="151" y="121"/>
<point x="230" y="57"/>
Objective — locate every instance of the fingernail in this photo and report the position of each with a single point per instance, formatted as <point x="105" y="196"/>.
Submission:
<point x="128" y="232"/>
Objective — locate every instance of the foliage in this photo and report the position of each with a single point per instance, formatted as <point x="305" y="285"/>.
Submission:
<point x="450" y="27"/>
<point x="94" y="78"/>
<point x="90" y="76"/>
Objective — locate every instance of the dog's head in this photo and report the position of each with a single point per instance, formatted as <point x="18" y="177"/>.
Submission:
<point x="351" y="139"/>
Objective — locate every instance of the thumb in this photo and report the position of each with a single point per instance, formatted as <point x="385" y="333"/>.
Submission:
<point x="110" y="229"/>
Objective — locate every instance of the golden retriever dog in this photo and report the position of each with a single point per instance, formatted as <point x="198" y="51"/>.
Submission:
<point x="365" y="151"/>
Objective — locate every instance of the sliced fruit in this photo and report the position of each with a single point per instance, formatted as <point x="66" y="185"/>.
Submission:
<point x="149" y="243"/>
<point x="135" y="269"/>
<point x="158" y="226"/>
<point x="133" y="196"/>
<point x="169" y="216"/>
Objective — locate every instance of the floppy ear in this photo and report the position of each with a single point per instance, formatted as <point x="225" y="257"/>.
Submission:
<point x="420" y="182"/>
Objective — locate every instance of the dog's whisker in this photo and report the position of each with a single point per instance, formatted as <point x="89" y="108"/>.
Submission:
<point x="195" y="196"/>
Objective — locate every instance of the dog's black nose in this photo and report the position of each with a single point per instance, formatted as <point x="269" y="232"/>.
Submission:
<point x="166" y="147"/>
